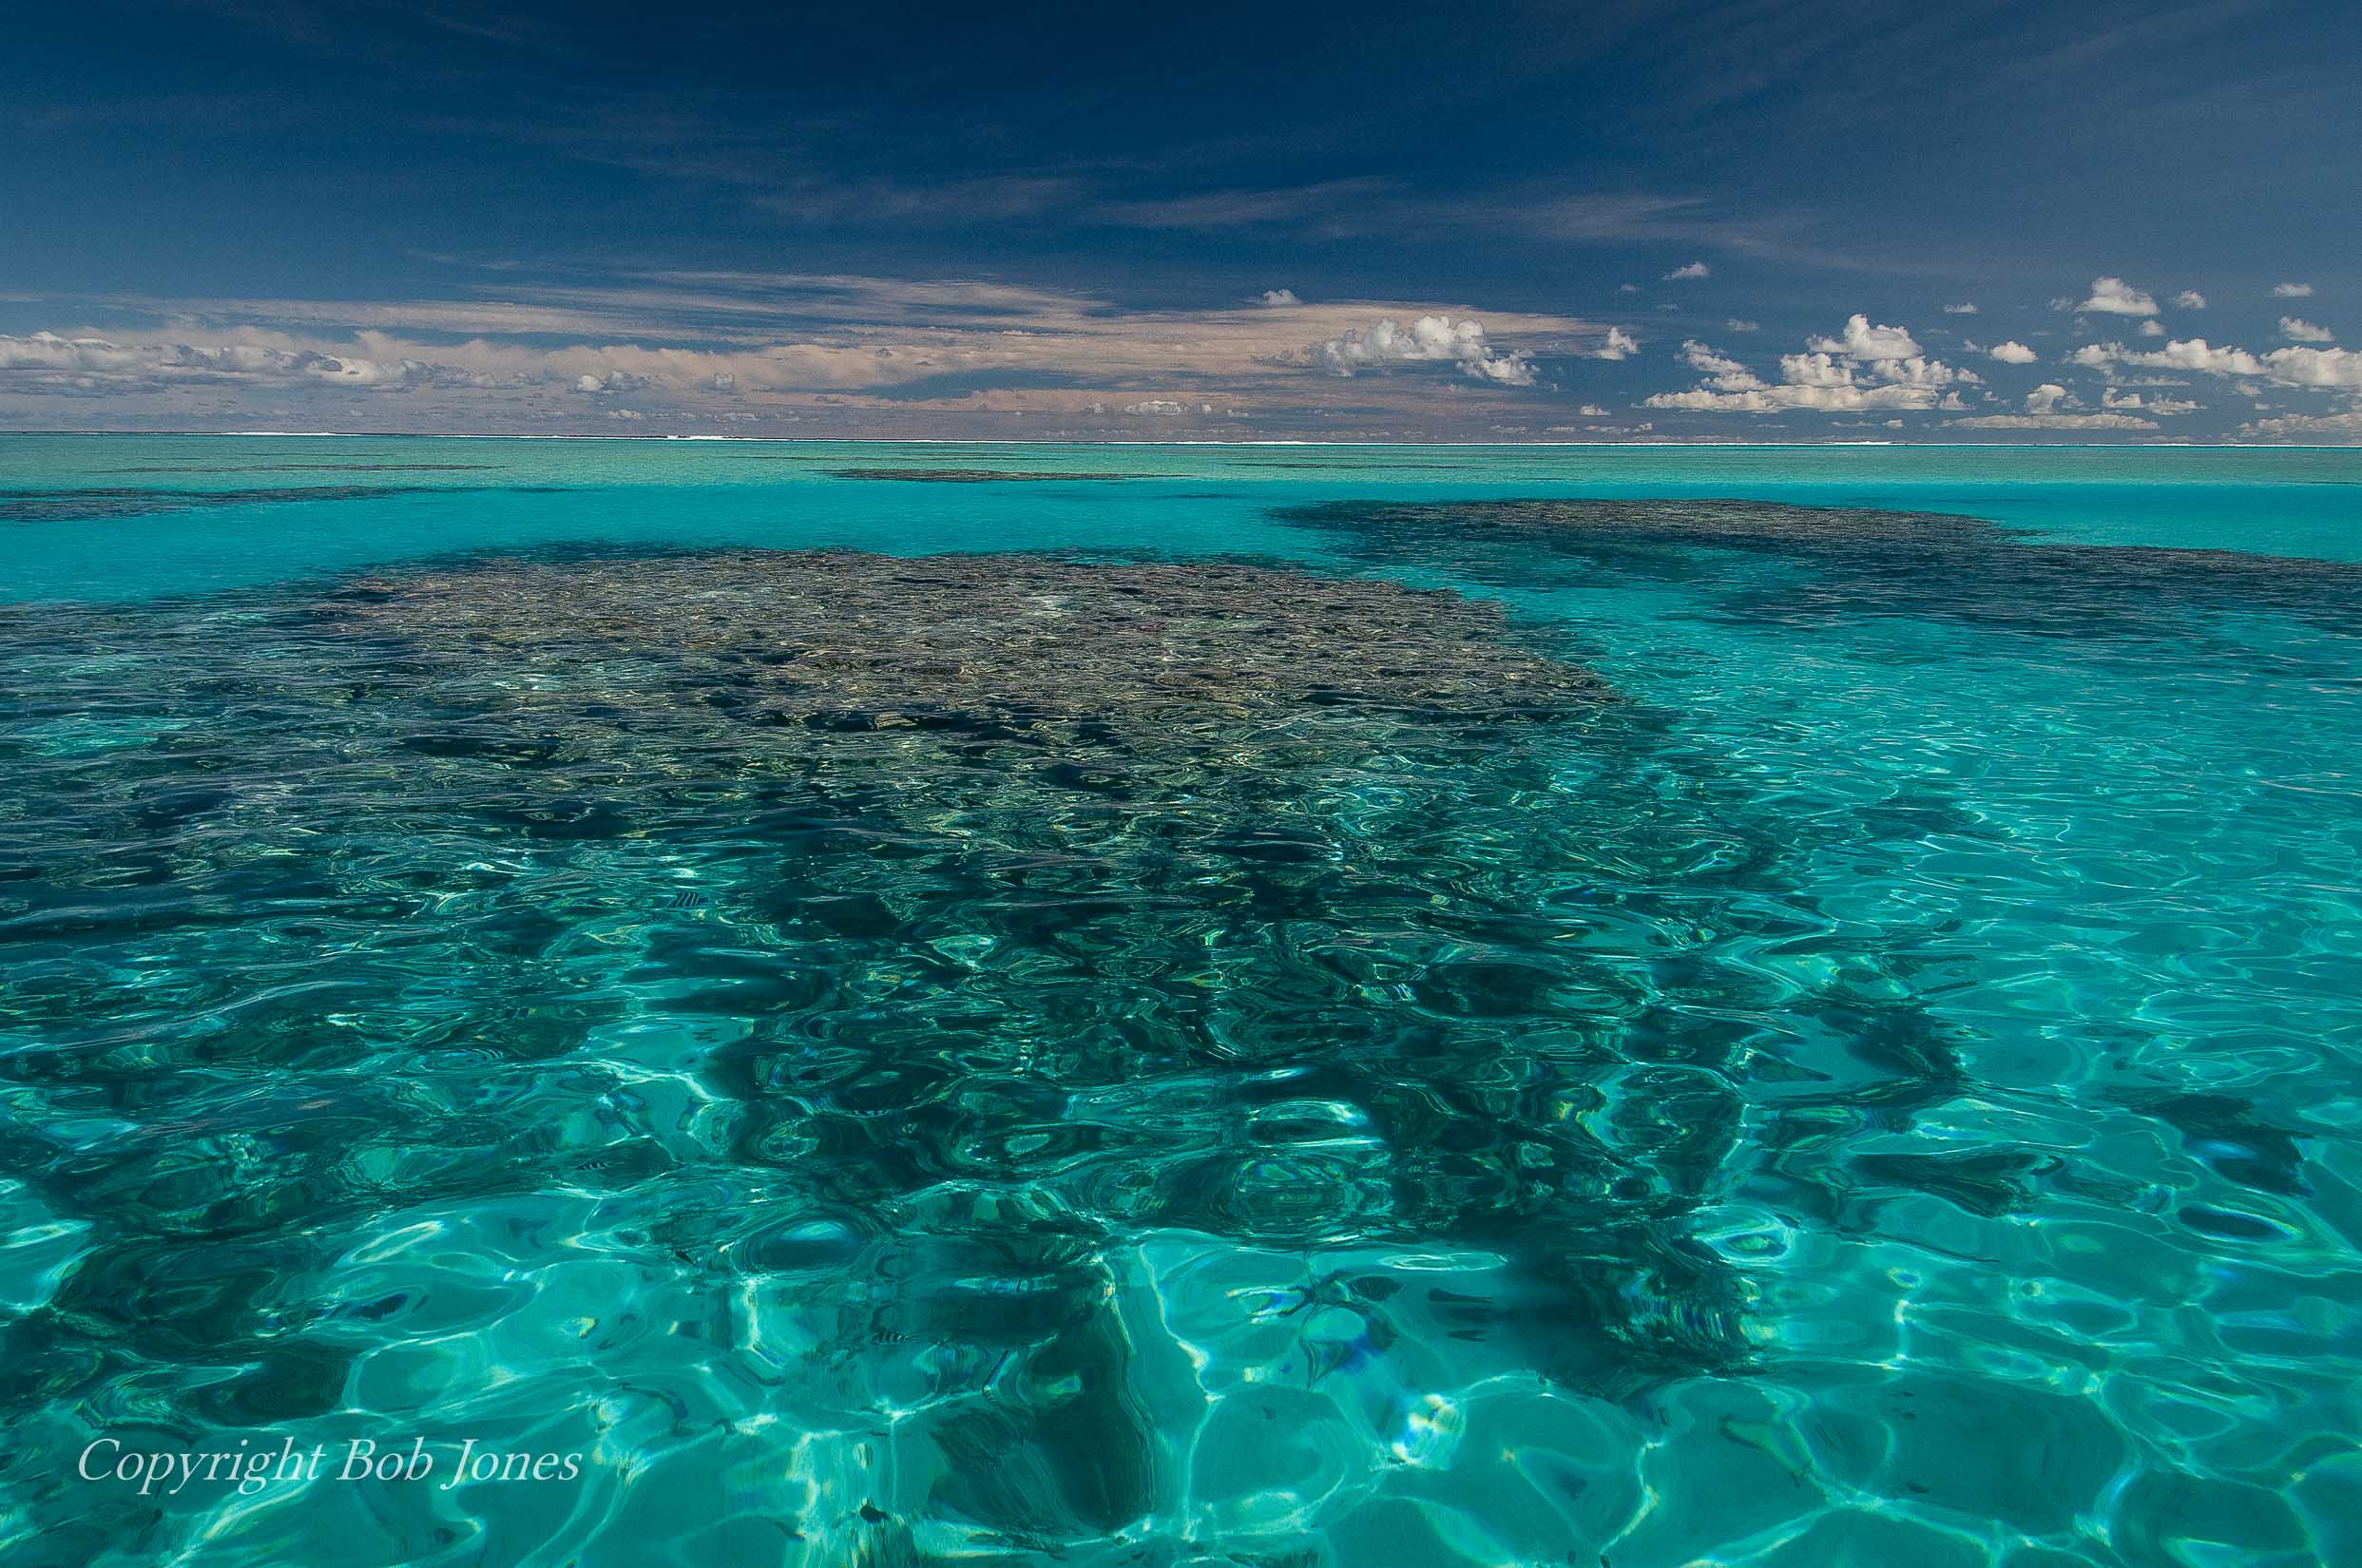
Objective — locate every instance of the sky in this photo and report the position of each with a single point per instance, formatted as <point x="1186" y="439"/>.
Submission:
<point x="1630" y="220"/>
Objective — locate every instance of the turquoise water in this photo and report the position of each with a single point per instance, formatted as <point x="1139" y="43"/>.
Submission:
<point x="1269" y="1005"/>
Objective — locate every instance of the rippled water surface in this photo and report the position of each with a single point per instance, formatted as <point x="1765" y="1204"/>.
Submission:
<point x="1264" y="1006"/>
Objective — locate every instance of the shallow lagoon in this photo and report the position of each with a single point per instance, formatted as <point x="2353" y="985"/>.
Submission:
<point x="1260" y="1005"/>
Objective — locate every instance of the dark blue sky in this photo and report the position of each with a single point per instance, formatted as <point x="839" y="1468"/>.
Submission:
<point x="916" y="219"/>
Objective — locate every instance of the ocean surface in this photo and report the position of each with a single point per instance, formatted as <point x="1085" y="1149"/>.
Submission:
<point x="1280" y="1007"/>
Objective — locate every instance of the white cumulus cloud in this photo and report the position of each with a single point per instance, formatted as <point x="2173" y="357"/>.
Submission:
<point x="2346" y="427"/>
<point x="2014" y="352"/>
<point x="2291" y="291"/>
<point x="1619" y="344"/>
<point x="2123" y="400"/>
<point x="1721" y="369"/>
<point x="1864" y="368"/>
<point x="2189" y="299"/>
<point x="1280" y="298"/>
<point x="2336" y="369"/>
<point x="1966" y="307"/>
<point x="1687" y="271"/>
<point x="1864" y="342"/>
<point x="2114" y="297"/>
<point x="2298" y="330"/>
<point x="2315" y="367"/>
<point x="1431" y="338"/>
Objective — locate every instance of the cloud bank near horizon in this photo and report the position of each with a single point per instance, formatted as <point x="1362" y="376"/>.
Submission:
<point x="682" y="352"/>
<point x="778" y="351"/>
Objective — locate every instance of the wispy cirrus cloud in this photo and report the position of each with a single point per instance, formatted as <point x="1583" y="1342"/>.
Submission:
<point x="792" y="186"/>
<point x="1335" y="205"/>
<point x="1372" y="206"/>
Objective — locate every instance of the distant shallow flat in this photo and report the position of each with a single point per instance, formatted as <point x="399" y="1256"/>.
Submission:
<point x="975" y="476"/>
<point x="93" y="503"/>
<point x="313" y="468"/>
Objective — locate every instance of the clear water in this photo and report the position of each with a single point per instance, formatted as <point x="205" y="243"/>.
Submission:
<point x="1728" y="1035"/>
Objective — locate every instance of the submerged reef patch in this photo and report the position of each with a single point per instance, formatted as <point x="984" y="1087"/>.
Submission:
<point x="1740" y="523"/>
<point x="971" y="970"/>
<point x="1138" y="653"/>
<point x="92" y="504"/>
<point x="1768" y="561"/>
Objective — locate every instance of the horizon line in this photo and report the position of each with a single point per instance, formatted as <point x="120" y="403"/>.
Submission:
<point x="1266" y="441"/>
